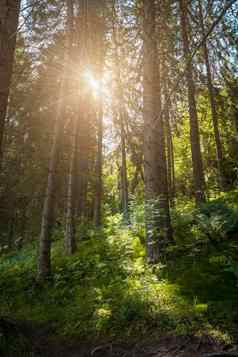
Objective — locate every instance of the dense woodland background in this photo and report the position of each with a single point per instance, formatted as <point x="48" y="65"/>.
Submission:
<point x="119" y="166"/>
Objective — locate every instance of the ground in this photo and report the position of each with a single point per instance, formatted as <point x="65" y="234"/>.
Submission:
<point x="105" y="300"/>
<point x="39" y="340"/>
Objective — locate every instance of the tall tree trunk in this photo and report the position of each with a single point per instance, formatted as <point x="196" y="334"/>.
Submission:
<point x="173" y="178"/>
<point x="169" y="140"/>
<point x="219" y="153"/>
<point x="70" y="240"/>
<point x="100" y="54"/>
<point x="76" y="175"/>
<point x="125" y="197"/>
<point x="122" y="118"/>
<point x="156" y="186"/>
<point x="44" y="262"/>
<point x="198" y="175"/>
<point x="83" y="160"/>
<point x="99" y="158"/>
<point x="9" y="16"/>
<point x="166" y="49"/>
<point x="170" y="157"/>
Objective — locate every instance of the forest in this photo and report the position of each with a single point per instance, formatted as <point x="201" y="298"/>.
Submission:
<point x="118" y="178"/>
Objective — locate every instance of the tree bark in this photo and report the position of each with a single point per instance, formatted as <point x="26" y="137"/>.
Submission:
<point x="44" y="261"/>
<point x="99" y="26"/>
<point x="99" y="160"/>
<point x="156" y="187"/>
<point x="70" y="240"/>
<point x="219" y="151"/>
<point x="125" y="197"/>
<point x="9" y="17"/>
<point x="170" y="157"/>
<point x="122" y="118"/>
<point x="198" y="175"/>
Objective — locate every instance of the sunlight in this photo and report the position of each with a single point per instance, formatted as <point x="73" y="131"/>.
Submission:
<point x="92" y="82"/>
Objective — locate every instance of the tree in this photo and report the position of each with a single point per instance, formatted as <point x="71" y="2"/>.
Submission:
<point x="121" y="118"/>
<point x="156" y="187"/>
<point x="98" y="19"/>
<point x="44" y="263"/>
<point x="9" y="17"/>
<point x="198" y="175"/>
<point x="219" y="153"/>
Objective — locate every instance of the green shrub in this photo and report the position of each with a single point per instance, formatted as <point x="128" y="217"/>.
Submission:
<point x="106" y="290"/>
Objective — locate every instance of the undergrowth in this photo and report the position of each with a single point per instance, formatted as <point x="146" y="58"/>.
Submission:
<point x="107" y="291"/>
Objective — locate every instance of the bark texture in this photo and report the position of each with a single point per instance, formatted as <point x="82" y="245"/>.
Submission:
<point x="122" y="115"/>
<point x="155" y="171"/>
<point x="198" y="175"/>
<point x="99" y="29"/>
<point x="44" y="261"/>
<point x="98" y="169"/>
<point x="70" y="240"/>
<point x="9" y="16"/>
<point x="124" y="179"/>
<point x="212" y="98"/>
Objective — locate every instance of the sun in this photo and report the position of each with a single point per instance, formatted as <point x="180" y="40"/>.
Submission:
<point x="93" y="83"/>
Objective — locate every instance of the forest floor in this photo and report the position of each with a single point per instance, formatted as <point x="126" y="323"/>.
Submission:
<point x="37" y="340"/>
<point x="107" y="297"/>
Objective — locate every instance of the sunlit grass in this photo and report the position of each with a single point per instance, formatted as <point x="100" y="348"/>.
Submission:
<point x="106" y="290"/>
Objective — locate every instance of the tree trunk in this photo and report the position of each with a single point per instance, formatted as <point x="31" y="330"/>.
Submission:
<point x="99" y="158"/>
<point x="165" y="48"/>
<point x="219" y="153"/>
<point x="9" y="16"/>
<point x="156" y="187"/>
<point x="125" y="198"/>
<point x="122" y="118"/>
<point x="83" y="161"/>
<point x="100" y="54"/>
<point x="170" y="158"/>
<point x="198" y="175"/>
<point x="44" y="262"/>
<point x="70" y="240"/>
<point x="169" y="144"/>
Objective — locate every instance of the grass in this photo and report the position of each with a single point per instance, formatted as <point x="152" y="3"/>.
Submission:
<point x="107" y="291"/>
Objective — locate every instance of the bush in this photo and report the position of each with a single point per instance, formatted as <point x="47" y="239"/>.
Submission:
<point x="106" y="290"/>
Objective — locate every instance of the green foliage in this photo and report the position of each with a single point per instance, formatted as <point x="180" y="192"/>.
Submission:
<point x="232" y="267"/>
<point x="218" y="220"/>
<point x="137" y="219"/>
<point x="106" y="290"/>
<point x="204" y="258"/>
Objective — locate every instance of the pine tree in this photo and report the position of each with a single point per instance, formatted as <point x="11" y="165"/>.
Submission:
<point x="9" y="17"/>
<point x="44" y="262"/>
<point x="198" y="174"/>
<point x="156" y="187"/>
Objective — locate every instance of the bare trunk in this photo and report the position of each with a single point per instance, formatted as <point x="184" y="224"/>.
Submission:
<point x="198" y="175"/>
<point x="9" y="16"/>
<point x="165" y="54"/>
<point x="100" y="53"/>
<point x="83" y="162"/>
<point x="44" y="262"/>
<point x="122" y="118"/>
<point x="173" y="178"/>
<point x="219" y="153"/>
<point x="70" y="240"/>
<point x="98" y="191"/>
<point x="125" y="198"/>
<point x="169" y="145"/>
<point x="170" y="159"/>
<point x="156" y="189"/>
